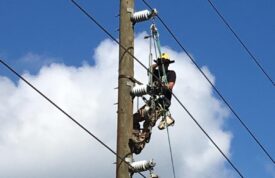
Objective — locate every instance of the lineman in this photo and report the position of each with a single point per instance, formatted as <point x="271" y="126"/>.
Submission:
<point x="163" y="101"/>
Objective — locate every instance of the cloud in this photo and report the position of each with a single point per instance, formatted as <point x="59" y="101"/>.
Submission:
<point x="36" y="140"/>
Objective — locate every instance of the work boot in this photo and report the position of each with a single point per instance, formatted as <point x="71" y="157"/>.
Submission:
<point x="138" y="136"/>
<point x="137" y="141"/>
<point x="166" y="122"/>
<point x="136" y="147"/>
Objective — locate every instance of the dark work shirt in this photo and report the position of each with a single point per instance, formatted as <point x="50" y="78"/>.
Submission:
<point x="171" y="77"/>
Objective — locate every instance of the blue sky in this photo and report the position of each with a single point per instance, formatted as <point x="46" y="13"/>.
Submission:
<point x="58" y="31"/>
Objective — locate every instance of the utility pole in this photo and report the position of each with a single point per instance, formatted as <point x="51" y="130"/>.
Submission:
<point x="125" y="103"/>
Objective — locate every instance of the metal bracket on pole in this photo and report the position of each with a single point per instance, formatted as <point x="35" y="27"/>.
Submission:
<point x="130" y="10"/>
<point x="132" y="81"/>
<point x="130" y="84"/>
<point x="129" y="160"/>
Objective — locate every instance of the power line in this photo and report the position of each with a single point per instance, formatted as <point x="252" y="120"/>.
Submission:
<point x="114" y="39"/>
<point x="64" y="112"/>
<point x="215" y="88"/>
<point x="241" y="42"/>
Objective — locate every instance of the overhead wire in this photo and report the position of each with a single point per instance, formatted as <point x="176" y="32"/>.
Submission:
<point x="241" y="42"/>
<point x="213" y="86"/>
<point x="139" y="62"/>
<point x="65" y="113"/>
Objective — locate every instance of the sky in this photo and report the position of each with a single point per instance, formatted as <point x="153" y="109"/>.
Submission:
<point x="63" y="53"/>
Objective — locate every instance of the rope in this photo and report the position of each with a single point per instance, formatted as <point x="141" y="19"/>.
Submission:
<point x="155" y="35"/>
<point x="155" y="47"/>
<point x="170" y="148"/>
<point x="158" y="44"/>
<point x="150" y="61"/>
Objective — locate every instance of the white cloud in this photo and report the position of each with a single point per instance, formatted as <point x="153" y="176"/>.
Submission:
<point x="36" y="140"/>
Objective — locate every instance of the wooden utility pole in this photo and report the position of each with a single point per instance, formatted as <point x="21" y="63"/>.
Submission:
<point x="125" y="103"/>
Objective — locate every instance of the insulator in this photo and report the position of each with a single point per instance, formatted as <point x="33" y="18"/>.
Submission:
<point x="143" y="15"/>
<point x="139" y="90"/>
<point x="140" y="166"/>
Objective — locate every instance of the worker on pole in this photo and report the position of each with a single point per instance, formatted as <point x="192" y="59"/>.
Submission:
<point x="164" y="81"/>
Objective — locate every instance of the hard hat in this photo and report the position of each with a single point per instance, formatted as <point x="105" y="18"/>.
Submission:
<point x="166" y="58"/>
